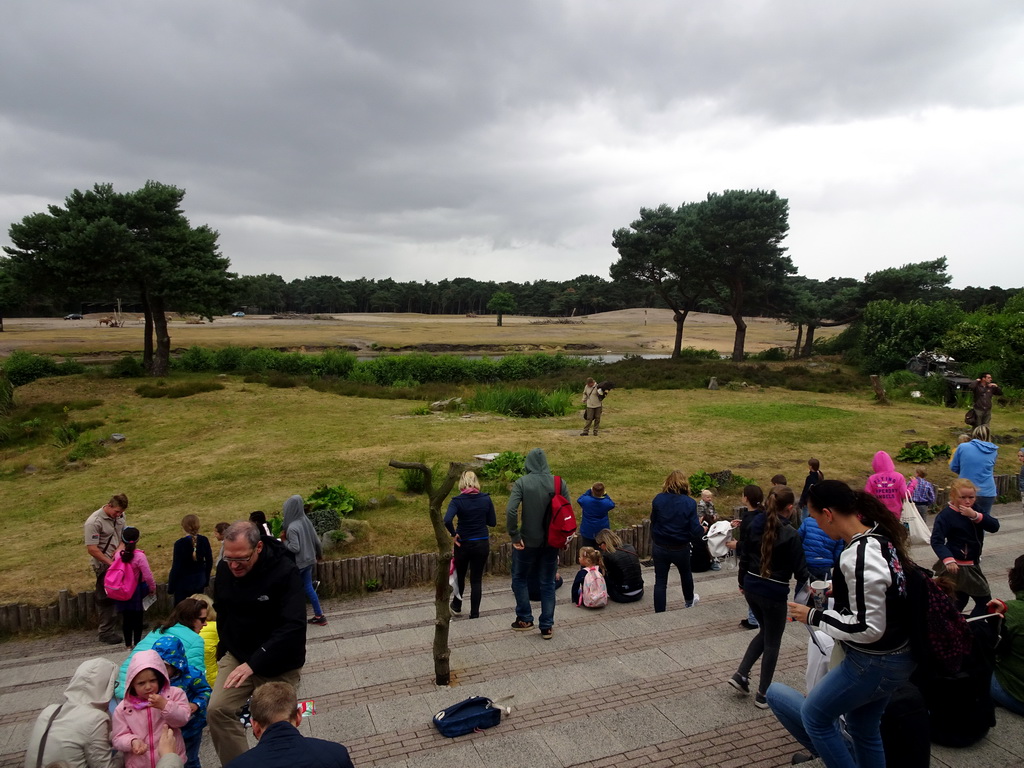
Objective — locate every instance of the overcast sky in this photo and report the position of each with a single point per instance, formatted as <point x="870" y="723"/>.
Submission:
<point x="427" y="139"/>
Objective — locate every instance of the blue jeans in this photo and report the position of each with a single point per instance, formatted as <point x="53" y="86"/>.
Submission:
<point x="307" y="581"/>
<point x="663" y="560"/>
<point x="1004" y="699"/>
<point x="860" y="688"/>
<point x="546" y="560"/>
<point x="192" y="744"/>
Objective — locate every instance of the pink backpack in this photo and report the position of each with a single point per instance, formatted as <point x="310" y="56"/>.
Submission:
<point x="595" y="590"/>
<point x="121" y="580"/>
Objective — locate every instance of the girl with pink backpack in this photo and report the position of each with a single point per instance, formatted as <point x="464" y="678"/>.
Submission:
<point x="590" y="590"/>
<point x="133" y="562"/>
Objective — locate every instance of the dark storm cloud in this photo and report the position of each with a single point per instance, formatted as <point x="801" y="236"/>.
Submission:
<point x="382" y="125"/>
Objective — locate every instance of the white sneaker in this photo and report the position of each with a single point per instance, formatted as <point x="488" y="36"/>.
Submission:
<point x="696" y="599"/>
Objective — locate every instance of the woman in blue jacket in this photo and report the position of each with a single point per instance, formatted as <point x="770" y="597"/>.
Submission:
<point x="976" y="461"/>
<point x="596" y="506"/>
<point x="675" y="528"/>
<point x="475" y="511"/>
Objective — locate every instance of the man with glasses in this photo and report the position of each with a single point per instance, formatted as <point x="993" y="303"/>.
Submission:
<point x="102" y="540"/>
<point x="261" y="619"/>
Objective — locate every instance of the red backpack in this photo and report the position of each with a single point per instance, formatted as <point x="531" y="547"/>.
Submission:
<point x="562" y="523"/>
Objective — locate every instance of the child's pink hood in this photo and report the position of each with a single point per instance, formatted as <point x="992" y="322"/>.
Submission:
<point x="140" y="661"/>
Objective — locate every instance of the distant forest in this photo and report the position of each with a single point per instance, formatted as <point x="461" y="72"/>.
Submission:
<point x="583" y="295"/>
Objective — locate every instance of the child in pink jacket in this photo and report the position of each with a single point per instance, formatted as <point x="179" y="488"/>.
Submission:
<point x="132" y="609"/>
<point x="886" y="484"/>
<point x="150" y="704"/>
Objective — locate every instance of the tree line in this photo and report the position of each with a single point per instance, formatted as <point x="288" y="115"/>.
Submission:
<point x="720" y="255"/>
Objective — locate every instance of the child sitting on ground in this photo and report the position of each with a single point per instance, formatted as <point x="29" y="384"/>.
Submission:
<point x="590" y="590"/>
<point x="135" y="729"/>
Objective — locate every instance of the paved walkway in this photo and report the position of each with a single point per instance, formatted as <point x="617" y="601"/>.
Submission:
<point x="618" y="687"/>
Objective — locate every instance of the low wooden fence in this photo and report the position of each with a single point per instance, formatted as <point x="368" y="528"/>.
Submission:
<point x="353" y="574"/>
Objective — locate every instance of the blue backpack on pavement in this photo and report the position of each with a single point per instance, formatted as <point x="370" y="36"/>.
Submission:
<point x="470" y="715"/>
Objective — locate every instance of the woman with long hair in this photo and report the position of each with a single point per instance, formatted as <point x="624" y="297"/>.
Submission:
<point x="870" y="621"/>
<point x="185" y="622"/>
<point x="472" y="538"/>
<point x="958" y="536"/>
<point x="624" y="575"/>
<point x="753" y="499"/>
<point x="191" y="561"/>
<point x="773" y="555"/>
<point x="674" y="529"/>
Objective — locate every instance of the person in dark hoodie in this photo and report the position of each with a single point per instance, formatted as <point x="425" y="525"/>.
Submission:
<point x="976" y="461"/>
<point x="300" y="538"/>
<point x="772" y="556"/>
<point x="476" y="515"/>
<point x="193" y="682"/>
<point x="675" y="529"/>
<point x="275" y="724"/>
<point x="533" y="491"/>
<point x="261" y="619"/>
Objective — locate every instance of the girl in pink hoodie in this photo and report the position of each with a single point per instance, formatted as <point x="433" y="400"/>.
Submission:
<point x="887" y="485"/>
<point x="150" y="704"/>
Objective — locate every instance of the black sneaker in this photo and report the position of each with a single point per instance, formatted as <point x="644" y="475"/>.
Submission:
<point x="800" y="757"/>
<point x="760" y="701"/>
<point x="747" y="625"/>
<point x="456" y="606"/>
<point x="547" y="633"/>
<point x="522" y="626"/>
<point x="740" y="683"/>
<point x="320" y="621"/>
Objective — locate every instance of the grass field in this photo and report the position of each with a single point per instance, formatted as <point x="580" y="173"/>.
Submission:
<point x="224" y="453"/>
<point x="625" y="331"/>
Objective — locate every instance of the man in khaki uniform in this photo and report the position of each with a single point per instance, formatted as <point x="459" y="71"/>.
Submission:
<point x="102" y="539"/>
<point x="592" y="400"/>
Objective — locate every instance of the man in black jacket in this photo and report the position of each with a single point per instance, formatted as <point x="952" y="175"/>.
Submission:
<point x="261" y="619"/>
<point x="275" y="723"/>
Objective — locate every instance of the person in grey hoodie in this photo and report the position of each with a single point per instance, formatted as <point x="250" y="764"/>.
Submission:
<point x="533" y="491"/>
<point x="300" y="538"/>
<point x="78" y="730"/>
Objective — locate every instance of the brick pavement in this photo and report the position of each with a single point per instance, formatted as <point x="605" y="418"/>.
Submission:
<point x="618" y="687"/>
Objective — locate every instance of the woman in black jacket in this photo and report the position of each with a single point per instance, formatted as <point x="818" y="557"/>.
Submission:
<point x="191" y="562"/>
<point x="771" y="556"/>
<point x="622" y="568"/>
<point x="475" y="511"/>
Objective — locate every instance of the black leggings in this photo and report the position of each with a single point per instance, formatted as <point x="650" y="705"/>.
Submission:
<point x="471" y="556"/>
<point x="132" y="627"/>
<point x="771" y="618"/>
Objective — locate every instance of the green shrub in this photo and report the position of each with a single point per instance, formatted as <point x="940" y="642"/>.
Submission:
<point x="333" y="497"/>
<point x="260" y="361"/>
<point x="184" y="389"/>
<point x="6" y="396"/>
<point x="522" y="402"/>
<point x="415" y="481"/>
<point x="87" y="448"/>
<point x="772" y="354"/>
<point x="922" y="454"/>
<point x="506" y="467"/>
<point x="333" y="362"/>
<point x="692" y="354"/>
<point x="423" y="410"/>
<point x="228" y="359"/>
<point x="66" y="434"/>
<point x="195" y="360"/>
<point x="324" y="520"/>
<point x="128" y="367"/>
<point x="24" y="367"/>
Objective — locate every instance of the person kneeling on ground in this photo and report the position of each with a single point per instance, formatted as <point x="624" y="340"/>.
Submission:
<point x="624" y="576"/>
<point x="275" y="724"/>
